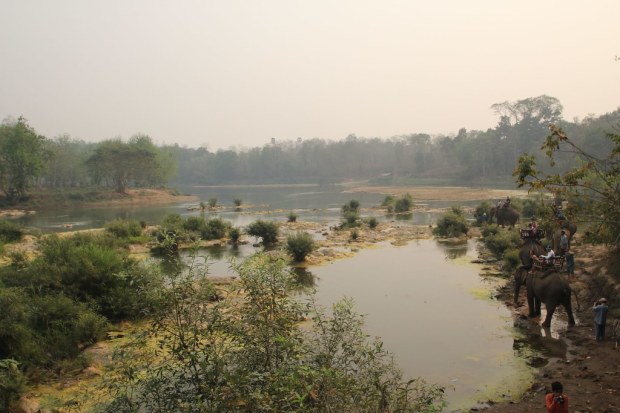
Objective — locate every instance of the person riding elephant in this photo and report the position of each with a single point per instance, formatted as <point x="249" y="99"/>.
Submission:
<point x="548" y="287"/>
<point x="505" y="216"/>
<point x="530" y="245"/>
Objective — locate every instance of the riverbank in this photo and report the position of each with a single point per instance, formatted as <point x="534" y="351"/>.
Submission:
<point x="589" y="370"/>
<point x="95" y="199"/>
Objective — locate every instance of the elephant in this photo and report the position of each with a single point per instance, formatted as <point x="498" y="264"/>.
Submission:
<point x="505" y="216"/>
<point x="548" y="287"/>
<point x="525" y="252"/>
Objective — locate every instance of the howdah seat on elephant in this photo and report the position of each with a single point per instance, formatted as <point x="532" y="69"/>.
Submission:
<point x="547" y="264"/>
<point x="530" y="233"/>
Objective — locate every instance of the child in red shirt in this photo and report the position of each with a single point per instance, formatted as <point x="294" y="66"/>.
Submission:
<point x="557" y="401"/>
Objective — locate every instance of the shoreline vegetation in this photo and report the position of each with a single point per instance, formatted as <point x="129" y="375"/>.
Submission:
<point x="588" y="372"/>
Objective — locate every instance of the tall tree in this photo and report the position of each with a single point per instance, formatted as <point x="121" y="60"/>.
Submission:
<point x="122" y="164"/>
<point x="22" y="157"/>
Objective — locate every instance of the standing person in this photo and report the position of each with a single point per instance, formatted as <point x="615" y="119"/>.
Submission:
<point x="563" y="243"/>
<point x="600" y="318"/>
<point x="570" y="263"/>
<point x="556" y="401"/>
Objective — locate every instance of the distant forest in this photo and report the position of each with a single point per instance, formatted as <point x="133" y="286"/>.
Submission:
<point x="471" y="158"/>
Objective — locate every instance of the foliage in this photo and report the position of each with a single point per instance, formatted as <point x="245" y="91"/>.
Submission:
<point x="22" y="156"/>
<point x="350" y="219"/>
<point x="291" y="217"/>
<point x="90" y="269"/>
<point x="215" y="228"/>
<point x="138" y="162"/>
<point x="300" y="245"/>
<point x="249" y="354"/>
<point x="592" y="187"/>
<point x="451" y="224"/>
<point x="372" y="222"/>
<point x="483" y="210"/>
<point x="40" y="330"/>
<point x="266" y="230"/>
<point x="122" y="228"/>
<point x="193" y="223"/>
<point x="10" y="231"/>
<point x="403" y="204"/>
<point x="237" y="202"/>
<point x="499" y="241"/>
<point x="212" y="202"/>
<point x="511" y="259"/>
<point x="351" y="206"/>
<point x="12" y="383"/>
<point x="234" y="234"/>
<point x="354" y="234"/>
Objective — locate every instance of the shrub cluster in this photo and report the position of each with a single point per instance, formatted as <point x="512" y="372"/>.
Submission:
<point x="10" y="232"/>
<point x="67" y="295"/>
<point x="300" y="245"/>
<point x="452" y="224"/>
<point x="265" y="230"/>
<point x="121" y="228"/>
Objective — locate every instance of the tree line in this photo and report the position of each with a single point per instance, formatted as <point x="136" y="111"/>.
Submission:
<point x="472" y="157"/>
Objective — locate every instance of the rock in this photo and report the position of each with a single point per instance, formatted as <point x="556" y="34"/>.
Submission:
<point x="26" y="405"/>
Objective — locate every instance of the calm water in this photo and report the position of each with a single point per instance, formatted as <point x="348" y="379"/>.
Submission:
<point x="310" y="203"/>
<point x="426" y="301"/>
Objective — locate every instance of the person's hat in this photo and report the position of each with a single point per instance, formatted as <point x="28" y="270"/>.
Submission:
<point x="602" y="300"/>
<point x="548" y="247"/>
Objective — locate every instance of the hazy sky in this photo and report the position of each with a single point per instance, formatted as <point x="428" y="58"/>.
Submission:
<point x="238" y="73"/>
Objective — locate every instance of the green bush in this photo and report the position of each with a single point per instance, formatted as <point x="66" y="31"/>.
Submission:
<point x="266" y="230"/>
<point x="237" y="202"/>
<point x="372" y="222"/>
<point x="212" y="202"/>
<point x="354" y="234"/>
<point x="499" y="241"/>
<point x="291" y="217"/>
<point x="122" y="228"/>
<point x="350" y="219"/>
<point x="511" y="259"/>
<point x="234" y="234"/>
<point x="300" y="245"/>
<point x="351" y="206"/>
<point x="403" y="204"/>
<point x="451" y="224"/>
<point x="172" y="222"/>
<point x="215" y="228"/>
<point x="483" y="210"/>
<point x="195" y="224"/>
<point x="12" y="383"/>
<point x="10" y="232"/>
<point x="388" y="201"/>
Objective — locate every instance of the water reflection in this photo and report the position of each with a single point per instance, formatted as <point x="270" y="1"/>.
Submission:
<point x="304" y="277"/>
<point x="453" y="251"/>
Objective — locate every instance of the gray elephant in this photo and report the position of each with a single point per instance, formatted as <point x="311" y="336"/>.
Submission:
<point x="525" y="252"/>
<point x="547" y="287"/>
<point x="505" y="216"/>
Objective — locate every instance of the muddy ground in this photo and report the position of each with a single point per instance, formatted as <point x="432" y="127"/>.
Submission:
<point x="589" y="370"/>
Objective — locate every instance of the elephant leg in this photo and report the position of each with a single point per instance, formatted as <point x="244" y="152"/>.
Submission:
<point x="569" y="312"/>
<point x="531" y="303"/>
<point x="550" y="311"/>
<point x="537" y="305"/>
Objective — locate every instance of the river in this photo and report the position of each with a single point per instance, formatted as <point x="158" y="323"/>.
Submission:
<point x="426" y="301"/>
